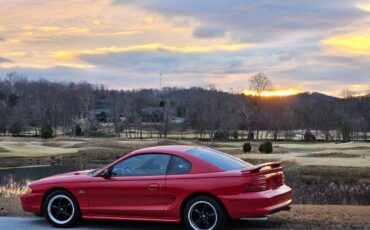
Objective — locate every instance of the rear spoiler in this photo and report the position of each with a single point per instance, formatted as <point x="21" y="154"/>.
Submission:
<point x="257" y="168"/>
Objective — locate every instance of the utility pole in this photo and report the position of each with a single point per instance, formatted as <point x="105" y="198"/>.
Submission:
<point x="160" y="80"/>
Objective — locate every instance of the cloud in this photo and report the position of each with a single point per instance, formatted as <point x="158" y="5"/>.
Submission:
<point x="208" y="32"/>
<point x="162" y="60"/>
<point x="364" y="6"/>
<point x="62" y="30"/>
<point x="349" y="44"/>
<point x="5" y="60"/>
<point x="72" y="54"/>
<point x="258" y="21"/>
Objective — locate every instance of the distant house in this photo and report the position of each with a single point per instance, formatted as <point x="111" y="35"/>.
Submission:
<point x="101" y="112"/>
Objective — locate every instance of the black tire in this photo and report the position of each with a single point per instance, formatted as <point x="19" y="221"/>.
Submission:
<point x="61" y="209"/>
<point x="204" y="212"/>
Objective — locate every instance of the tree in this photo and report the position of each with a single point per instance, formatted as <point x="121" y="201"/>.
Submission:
<point x="259" y="83"/>
<point x="46" y="132"/>
<point x="347" y="93"/>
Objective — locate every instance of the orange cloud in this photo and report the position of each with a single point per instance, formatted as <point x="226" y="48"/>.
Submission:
<point x="71" y="54"/>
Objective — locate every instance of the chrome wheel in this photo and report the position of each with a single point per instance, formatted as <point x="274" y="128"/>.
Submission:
<point x="60" y="209"/>
<point x="202" y="216"/>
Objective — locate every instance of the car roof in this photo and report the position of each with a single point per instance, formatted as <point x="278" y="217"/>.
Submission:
<point x="168" y="149"/>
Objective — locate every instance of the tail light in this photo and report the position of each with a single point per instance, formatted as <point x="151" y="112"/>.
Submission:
<point x="257" y="184"/>
<point x="265" y="182"/>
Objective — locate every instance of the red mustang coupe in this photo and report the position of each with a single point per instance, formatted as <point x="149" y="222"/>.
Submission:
<point x="200" y="186"/>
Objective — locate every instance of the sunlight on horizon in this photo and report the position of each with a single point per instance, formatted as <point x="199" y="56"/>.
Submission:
<point x="273" y="93"/>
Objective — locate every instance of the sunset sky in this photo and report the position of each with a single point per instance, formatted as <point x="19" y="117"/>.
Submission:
<point x="305" y="45"/>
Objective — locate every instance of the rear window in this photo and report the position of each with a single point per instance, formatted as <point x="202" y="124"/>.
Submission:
<point x="220" y="159"/>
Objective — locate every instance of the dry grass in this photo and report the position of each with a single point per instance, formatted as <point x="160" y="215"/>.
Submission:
<point x="13" y="188"/>
<point x="10" y="193"/>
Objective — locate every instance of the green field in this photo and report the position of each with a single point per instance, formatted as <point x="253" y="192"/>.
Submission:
<point x="354" y="154"/>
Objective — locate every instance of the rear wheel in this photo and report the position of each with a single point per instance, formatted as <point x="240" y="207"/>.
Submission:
<point x="61" y="209"/>
<point x="204" y="213"/>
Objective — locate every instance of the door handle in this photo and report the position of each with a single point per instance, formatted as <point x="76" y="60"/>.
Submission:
<point x="153" y="186"/>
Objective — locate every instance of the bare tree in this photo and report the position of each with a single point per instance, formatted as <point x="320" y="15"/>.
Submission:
<point x="347" y="93"/>
<point x="259" y="83"/>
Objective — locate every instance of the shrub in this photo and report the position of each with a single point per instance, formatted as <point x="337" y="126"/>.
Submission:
<point x="247" y="147"/>
<point x="265" y="147"/>
<point x="46" y="132"/>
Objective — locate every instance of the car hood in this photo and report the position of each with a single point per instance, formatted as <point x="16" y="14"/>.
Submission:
<point x="77" y="176"/>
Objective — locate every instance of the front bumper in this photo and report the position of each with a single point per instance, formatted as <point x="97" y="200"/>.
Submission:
<point x="257" y="204"/>
<point x="32" y="202"/>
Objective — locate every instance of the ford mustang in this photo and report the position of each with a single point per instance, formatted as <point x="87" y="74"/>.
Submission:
<point x="198" y="186"/>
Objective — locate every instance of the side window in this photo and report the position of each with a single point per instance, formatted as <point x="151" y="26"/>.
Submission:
<point x="142" y="165"/>
<point x="179" y="165"/>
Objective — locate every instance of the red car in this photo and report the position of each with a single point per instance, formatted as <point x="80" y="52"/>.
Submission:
<point x="200" y="186"/>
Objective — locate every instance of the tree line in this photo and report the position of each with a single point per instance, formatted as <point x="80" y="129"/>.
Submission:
<point x="30" y="106"/>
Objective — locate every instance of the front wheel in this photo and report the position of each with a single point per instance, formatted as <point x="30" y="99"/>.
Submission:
<point x="61" y="209"/>
<point x="204" y="213"/>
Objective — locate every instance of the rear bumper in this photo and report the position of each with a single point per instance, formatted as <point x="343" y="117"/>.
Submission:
<point x="258" y="204"/>
<point x="31" y="203"/>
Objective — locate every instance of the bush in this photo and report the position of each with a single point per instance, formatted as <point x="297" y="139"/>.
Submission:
<point x="247" y="147"/>
<point x="265" y="147"/>
<point x="46" y="132"/>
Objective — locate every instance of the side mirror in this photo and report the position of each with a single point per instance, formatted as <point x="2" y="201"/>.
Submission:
<point x="106" y="174"/>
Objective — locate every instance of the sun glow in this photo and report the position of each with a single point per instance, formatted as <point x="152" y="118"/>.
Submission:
<point x="273" y="93"/>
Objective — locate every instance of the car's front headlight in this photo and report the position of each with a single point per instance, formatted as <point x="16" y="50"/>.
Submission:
<point x="28" y="190"/>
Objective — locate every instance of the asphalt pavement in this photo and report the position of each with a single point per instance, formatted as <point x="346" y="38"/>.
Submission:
<point x="39" y="223"/>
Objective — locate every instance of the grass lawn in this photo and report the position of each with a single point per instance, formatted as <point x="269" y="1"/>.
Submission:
<point x="31" y="149"/>
<point x="356" y="154"/>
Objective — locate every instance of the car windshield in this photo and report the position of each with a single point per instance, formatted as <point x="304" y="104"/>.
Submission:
<point x="220" y="159"/>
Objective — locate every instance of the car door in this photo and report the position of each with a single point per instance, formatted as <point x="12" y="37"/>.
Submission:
<point x="177" y="179"/>
<point x="136" y="187"/>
